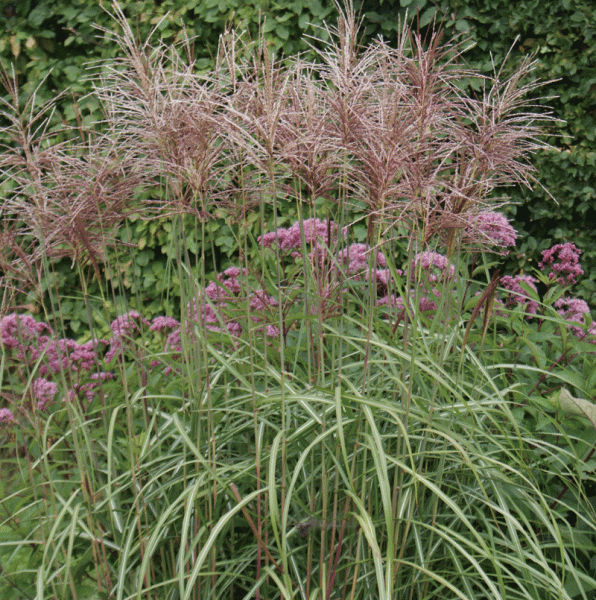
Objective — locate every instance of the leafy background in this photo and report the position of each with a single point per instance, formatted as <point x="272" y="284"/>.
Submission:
<point x="54" y="46"/>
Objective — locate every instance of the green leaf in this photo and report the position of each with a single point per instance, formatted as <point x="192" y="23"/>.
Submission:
<point x="282" y="31"/>
<point x="427" y="16"/>
<point x="569" y="405"/>
<point x="144" y="257"/>
<point x="39" y="14"/>
<point x="304" y="20"/>
<point x="73" y="73"/>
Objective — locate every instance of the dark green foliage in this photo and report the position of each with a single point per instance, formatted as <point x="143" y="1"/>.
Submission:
<point x="561" y="35"/>
<point x="58" y="40"/>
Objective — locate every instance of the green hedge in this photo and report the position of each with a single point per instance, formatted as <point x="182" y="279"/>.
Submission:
<point x="53" y="43"/>
<point x="57" y="40"/>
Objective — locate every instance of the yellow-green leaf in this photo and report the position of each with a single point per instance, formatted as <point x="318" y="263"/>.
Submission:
<point x="574" y="406"/>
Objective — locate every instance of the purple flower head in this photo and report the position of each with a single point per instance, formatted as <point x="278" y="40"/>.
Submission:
<point x="425" y="303"/>
<point x="161" y="323"/>
<point x="102" y="376"/>
<point x="205" y="314"/>
<point x="258" y="305"/>
<point x="517" y="295"/>
<point x="6" y="416"/>
<point x="124" y="326"/>
<point x="495" y="230"/>
<point x="29" y="354"/>
<point x="228" y="285"/>
<point x="230" y="279"/>
<point x="315" y="231"/>
<point x="202" y="312"/>
<point x="85" y="356"/>
<point x="216" y="293"/>
<point x="43" y="392"/>
<point x="382" y="278"/>
<point x="591" y="333"/>
<point x="564" y="261"/>
<point x="66" y="354"/>
<point x="56" y="355"/>
<point x="234" y="328"/>
<point x="16" y="330"/>
<point x="261" y="301"/>
<point x="71" y="396"/>
<point x="272" y="331"/>
<point x="90" y="389"/>
<point x="429" y="260"/>
<point x="575" y="310"/>
<point x="174" y="344"/>
<point x="274" y="237"/>
<point x="356" y="257"/>
<point x="127" y="324"/>
<point x="393" y="301"/>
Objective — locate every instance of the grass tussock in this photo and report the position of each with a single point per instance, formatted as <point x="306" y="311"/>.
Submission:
<point x="353" y="403"/>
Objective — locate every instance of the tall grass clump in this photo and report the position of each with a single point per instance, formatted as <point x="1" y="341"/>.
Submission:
<point x="355" y="403"/>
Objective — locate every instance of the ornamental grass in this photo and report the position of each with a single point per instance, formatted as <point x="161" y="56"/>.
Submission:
<point x="354" y="403"/>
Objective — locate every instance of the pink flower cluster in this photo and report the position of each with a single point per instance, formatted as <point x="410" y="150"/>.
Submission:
<point x="44" y="391"/>
<point x="517" y="295"/>
<point x="221" y="298"/>
<point x="229" y="303"/>
<point x="496" y="229"/>
<point x="229" y="285"/>
<point x="169" y="327"/>
<point x="27" y="349"/>
<point x="425" y="304"/>
<point x="6" y="416"/>
<point x="356" y="261"/>
<point x="17" y="329"/>
<point x="316" y="233"/>
<point x="357" y="257"/>
<point x="123" y="328"/>
<point x="575" y="310"/>
<point x="563" y="259"/>
<point x="21" y="333"/>
<point x="436" y="265"/>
